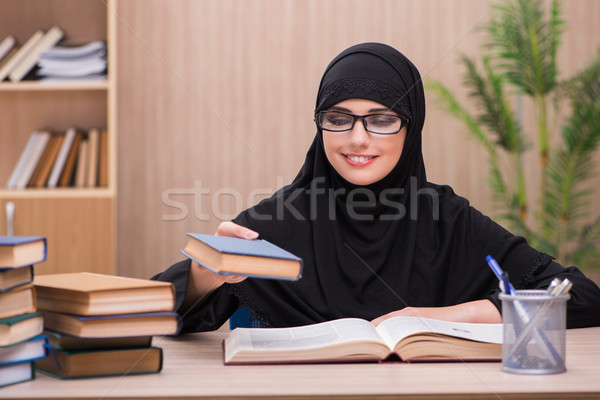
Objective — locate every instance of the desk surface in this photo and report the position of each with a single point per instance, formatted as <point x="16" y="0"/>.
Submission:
<point x="193" y="369"/>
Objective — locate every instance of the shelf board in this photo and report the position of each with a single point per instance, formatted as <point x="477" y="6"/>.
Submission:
<point x="31" y="86"/>
<point x="45" y="193"/>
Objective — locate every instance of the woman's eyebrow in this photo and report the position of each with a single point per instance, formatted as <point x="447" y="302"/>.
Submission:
<point x="379" y="109"/>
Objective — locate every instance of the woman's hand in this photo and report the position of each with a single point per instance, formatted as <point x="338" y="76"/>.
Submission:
<point x="202" y="281"/>
<point x="478" y="311"/>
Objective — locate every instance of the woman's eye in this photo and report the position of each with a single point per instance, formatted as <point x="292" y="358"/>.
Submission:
<point x="339" y="121"/>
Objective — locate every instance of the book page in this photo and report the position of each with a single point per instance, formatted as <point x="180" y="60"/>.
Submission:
<point x="395" y="329"/>
<point x="304" y="337"/>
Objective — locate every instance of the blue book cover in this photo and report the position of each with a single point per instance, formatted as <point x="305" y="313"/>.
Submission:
<point x="259" y="249"/>
<point x="20" y="251"/>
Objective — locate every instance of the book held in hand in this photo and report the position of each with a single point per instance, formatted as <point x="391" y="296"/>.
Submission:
<point x="86" y="293"/>
<point x="19" y="251"/>
<point x="409" y="339"/>
<point x="235" y="256"/>
<point x="102" y="362"/>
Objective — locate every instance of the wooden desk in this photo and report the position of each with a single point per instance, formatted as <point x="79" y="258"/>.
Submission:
<point x="193" y="369"/>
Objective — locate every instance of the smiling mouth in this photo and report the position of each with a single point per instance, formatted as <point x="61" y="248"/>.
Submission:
<point x="359" y="159"/>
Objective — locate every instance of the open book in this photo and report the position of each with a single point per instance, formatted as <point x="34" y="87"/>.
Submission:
<point x="353" y="339"/>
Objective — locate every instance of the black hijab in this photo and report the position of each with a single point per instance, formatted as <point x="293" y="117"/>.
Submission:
<point x="402" y="242"/>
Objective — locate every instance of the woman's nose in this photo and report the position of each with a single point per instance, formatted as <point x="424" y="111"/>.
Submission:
<point x="359" y="135"/>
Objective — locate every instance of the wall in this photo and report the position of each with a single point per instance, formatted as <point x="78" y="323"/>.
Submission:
<point x="215" y="102"/>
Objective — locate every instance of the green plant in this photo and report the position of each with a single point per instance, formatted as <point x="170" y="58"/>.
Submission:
<point x="519" y="61"/>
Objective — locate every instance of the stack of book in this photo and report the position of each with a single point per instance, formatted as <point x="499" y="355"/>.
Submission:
<point x="102" y="325"/>
<point x="20" y="325"/>
<point x="78" y="61"/>
<point x="19" y="61"/>
<point x="62" y="159"/>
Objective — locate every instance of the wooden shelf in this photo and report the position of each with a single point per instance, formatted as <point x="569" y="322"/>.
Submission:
<point x="30" y="86"/>
<point x="44" y="193"/>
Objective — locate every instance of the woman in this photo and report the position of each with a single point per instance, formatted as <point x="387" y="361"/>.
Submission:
<point x="377" y="238"/>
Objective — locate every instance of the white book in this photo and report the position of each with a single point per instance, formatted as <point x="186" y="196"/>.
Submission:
<point x="20" y="54"/>
<point x="16" y="373"/>
<point x="53" y="36"/>
<point x="79" y="71"/>
<point x="6" y="45"/>
<point x="14" y="177"/>
<point x="39" y="146"/>
<point x="61" y="158"/>
<point x="97" y="48"/>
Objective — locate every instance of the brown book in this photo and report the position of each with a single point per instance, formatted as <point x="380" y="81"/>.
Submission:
<point x="92" y="157"/>
<point x="20" y="300"/>
<point x="66" y="177"/>
<point x="157" y="323"/>
<point x="19" y="328"/>
<point x="19" y="251"/>
<point x="103" y="162"/>
<point x="49" y="159"/>
<point x="81" y="168"/>
<point x="11" y="278"/>
<point x="96" y="363"/>
<point x="42" y="160"/>
<point x="68" y="342"/>
<point x="86" y="293"/>
<point x="408" y="339"/>
<point x="234" y="256"/>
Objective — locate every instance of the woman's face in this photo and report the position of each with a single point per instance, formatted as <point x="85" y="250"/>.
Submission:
<point x="359" y="156"/>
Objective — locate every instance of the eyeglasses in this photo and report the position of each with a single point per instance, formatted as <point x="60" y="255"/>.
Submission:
<point x="381" y="124"/>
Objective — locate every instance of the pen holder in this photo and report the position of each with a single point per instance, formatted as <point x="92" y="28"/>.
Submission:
<point x="534" y="328"/>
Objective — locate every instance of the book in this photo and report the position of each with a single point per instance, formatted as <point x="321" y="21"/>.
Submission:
<point x="61" y="158"/>
<point x="11" y="278"/>
<point x="68" y="173"/>
<point x="41" y="141"/>
<point x="48" y="159"/>
<point x="20" y="251"/>
<point x="235" y="256"/>
<point x="408" y="339"/>
<point x="17" y="301"/>
<point x="19" y="328"/>
<point x="74" y="50"/>
<point x="16" y="373"/>
<point x="82" y="163"/>
<point x="25" y="351"/>
<point x="159" y="323"/>
<point x="103" y="162"/>
<point x="106" y="362"/>
<point x="48" y="40"/>
<point x="6" y="46"/>
<point x="69" y="342"/>
<point x="86" y="293"/>
<point x="92" y="157"/>
<point x="18" y="170"/>
<point x="20" y="54"/>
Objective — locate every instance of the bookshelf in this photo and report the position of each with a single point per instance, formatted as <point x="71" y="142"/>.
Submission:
<point x="78" y="222"/>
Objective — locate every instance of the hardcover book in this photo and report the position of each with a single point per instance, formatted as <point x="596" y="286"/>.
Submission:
<point x="235" y="256"/>
<point x="20" y="300"/>
<point x="11" y="278"/>
<point x="86" y="293"/>
<point x="19" y="328"/>
<point x="68" y="342"/>
<point x="19" y="251"/>
<point x="16" y="373"/>
<point x="107" y="362"/>
<point x="28" y="350"/>
<point x="407" y="339"/>
<point x="119" y="325"/>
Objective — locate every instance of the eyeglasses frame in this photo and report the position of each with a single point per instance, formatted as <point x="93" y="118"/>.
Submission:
<point x="403" y="121"/>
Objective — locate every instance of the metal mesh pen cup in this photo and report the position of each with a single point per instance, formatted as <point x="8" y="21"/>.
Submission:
<point x="534" y="329"/>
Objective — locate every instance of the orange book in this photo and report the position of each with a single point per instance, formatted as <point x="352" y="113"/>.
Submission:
<point x="86" y="293"/>
<point x="103" y="162"/>
<point x="66" y="177"/>
<point x="48" y="160"/>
